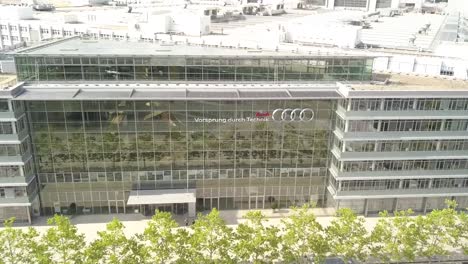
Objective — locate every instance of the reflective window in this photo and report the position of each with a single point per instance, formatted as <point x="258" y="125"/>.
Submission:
<point x="191" y="69"/>
<point x="217" y="147"/>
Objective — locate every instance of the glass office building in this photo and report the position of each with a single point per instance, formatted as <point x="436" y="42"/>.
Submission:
<point x="93" y="153"/>
<point x="139" y="126"/>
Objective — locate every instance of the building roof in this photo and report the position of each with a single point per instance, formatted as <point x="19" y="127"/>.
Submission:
<point x="7" y="80"/>
<point x="411" y="82"/>
<point x="76" y="46"/>
<point x="408" y="86"/>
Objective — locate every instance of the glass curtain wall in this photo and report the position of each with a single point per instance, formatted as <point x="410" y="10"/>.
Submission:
<point x="92" y="153"/>
<point x="191" y="69"/>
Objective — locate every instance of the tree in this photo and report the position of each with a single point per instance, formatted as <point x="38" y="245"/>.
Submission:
<point x="113" y="247"/>
<point x="161" y="238"/>
<point x="18" y="246"/>
<point x="210" y="239"/>
<point x="462" y="229"/>
<point x="303" y="236"/>
<point x="393" y="239"/>
<point x="185" y="251"/>
<point x="437" y="232"/>
<point x="256" y="242"/>
<point x="62" y="242"/>
<point x="347" y="236"/>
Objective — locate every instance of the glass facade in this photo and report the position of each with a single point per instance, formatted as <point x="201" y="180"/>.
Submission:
<point x="93" y="153"/>
<point x="179" y="69"/>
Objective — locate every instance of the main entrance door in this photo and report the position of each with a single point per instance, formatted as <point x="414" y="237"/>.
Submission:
<point x="256" y="202"/>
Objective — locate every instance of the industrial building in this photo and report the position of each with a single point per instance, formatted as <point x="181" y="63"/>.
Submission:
<point x="101" y="126"/>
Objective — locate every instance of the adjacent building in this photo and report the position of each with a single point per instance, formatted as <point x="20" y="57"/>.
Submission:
<point x="118" y="127"/>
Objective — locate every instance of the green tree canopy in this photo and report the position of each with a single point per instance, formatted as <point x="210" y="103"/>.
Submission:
<point x="256" y="242"/>
<point x="161" y="239"/>
<point x="303" y="236"/>
<point x="211" y="239"/>
<point x="437" y="232"/>
<point x="462" y="228"/>
<point x="347" y="236"/>
<point x="19" y="246"/>
<point x="62" y="242"/>
<point x="113" y="247"/>
<point x="393" y="239"/>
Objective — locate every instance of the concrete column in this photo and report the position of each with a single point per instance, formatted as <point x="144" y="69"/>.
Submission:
<point x="337" y="205"/>
<point x="395" y="205"/>
<point x="10" y="106"/>
<point x="424" y="205"/>
<point x="191" y="210"/>
<point x="13" y="127"/>
<point x="438" y="145"/>
<point x="331" y="4"/>
<point x="366" y="206"/>
<point x="28" y="209"/>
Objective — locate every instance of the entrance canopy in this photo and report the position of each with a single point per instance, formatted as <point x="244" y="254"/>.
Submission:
<point x="169" y="196"/>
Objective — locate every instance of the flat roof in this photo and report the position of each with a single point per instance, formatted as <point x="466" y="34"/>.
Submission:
<point x="169" y="196"/>
<point x="77" y="46"/>
<point x="399" y="82"/>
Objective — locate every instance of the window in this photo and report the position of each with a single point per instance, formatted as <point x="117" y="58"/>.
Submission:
<point x="4" y="106"/>
<point x="404" y="165"/>
<point x="6" y="128"/>
<point x="20" y="192"/>
<point x="2" y="193"/>
<point x="428" y="104"/>
<point x="23" y="29"/>
<point x="13" y="28"/>
<point x="458" y="104"/>
<point x="14" y="38"/>
<point x="3" y="27"/>
<point x="55" y="32"/>
<point x="20" y="125"/>
<point x="365" y="104"/>
<point x="44" y="31"/>
<point x="5" y="37"/>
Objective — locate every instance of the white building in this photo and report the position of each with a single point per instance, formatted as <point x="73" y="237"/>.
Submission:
<point x="17" y="25"/>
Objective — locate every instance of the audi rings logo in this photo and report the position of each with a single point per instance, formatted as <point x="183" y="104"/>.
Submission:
<point x="296" y="114"/>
